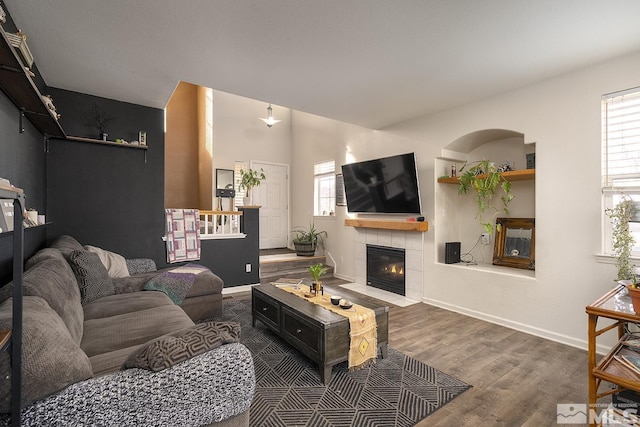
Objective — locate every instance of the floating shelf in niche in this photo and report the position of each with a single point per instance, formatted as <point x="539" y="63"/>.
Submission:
<point x="511" y="176"/>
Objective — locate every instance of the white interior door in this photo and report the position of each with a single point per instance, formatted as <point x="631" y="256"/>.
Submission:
<point x="273" y="195"/>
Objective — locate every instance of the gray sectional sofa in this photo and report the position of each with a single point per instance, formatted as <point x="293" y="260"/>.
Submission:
<point x="99" y="350"/>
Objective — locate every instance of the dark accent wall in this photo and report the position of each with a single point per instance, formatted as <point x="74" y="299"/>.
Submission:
<point x="228" y="257"/>
<point x="22" y="161"/>
<point x="108" y="196"/>
<point x="104" y="195"/>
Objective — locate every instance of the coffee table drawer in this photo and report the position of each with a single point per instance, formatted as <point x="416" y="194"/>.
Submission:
<point x="267" y="309"/>
<point x="307" y="334"/>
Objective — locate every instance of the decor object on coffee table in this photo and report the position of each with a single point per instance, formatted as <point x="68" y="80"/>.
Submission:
<point x="317" y="271"/>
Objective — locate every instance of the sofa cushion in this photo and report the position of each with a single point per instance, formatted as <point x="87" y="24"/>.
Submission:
<point x="52" y="279"/>
<point x="66" y="245"/>
<point x="110" y="362"/>
<point x="206" y="283"/>
<point x="93" y="280"/>
<point x="176" y="347"/>
<point x="41" y="255"/>
<point x="126" y="330"/>
<point x="51" y="359"/>
<point x="115" y="263"/>
<point x="114" y="305"/>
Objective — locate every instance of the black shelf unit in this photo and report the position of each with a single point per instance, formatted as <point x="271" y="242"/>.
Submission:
<point x="12" y="340"/>
<point x="16" y="83"/>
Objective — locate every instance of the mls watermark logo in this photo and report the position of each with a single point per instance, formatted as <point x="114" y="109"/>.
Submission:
<point x="572" y="413"/>
<point x="605" y="414"/>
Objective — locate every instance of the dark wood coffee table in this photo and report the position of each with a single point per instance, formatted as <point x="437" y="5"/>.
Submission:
<point x="320" y="334"/>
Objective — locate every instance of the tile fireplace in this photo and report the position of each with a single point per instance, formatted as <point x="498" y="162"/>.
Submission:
<point x="386" y="268"/>
<point x="410" y="242"/>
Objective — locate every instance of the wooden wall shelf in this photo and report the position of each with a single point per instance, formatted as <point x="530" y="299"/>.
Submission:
<point x="99" y="141"/>
<point x="387" y="224"/>
<point x="511" y="176"/>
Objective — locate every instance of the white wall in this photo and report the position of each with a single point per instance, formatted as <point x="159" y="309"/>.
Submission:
<point x="316" y="139"/>
<point x="562" y="116"/>
<point x="240" y="135"/>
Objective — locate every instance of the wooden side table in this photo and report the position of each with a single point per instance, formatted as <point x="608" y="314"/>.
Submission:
<point x="615" y="305"/>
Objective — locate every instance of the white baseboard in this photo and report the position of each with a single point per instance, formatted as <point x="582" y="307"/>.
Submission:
<point x="542" y="333"/>
<point x="343" y="277"/>
<point x="236" y="289"/>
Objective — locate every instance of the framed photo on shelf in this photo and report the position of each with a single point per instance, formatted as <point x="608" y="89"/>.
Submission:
<point x="6" y="216"/>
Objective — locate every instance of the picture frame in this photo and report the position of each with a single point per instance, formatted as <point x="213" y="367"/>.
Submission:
<point x="515" y="243"/>
<point x="341" y="200"/>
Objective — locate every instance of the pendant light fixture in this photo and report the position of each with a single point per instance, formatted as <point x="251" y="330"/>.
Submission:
<point x="270" y="121"/>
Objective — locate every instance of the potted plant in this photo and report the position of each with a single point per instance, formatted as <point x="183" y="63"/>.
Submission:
<point x="317" y="271"/>
<point x="485" y="179"/>
<point x="306" y="240"/>
<point x="101" y="119"/>
<point x="248" y="180"/>
<point x="623" y="242"/>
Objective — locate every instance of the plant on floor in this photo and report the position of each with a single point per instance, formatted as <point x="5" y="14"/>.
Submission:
<point x="306" y="240"/>
<point x="484" y="178"/>
<point x="622" y="238"/>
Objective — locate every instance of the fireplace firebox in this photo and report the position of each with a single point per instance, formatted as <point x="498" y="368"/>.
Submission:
<point x="385" y="268"/>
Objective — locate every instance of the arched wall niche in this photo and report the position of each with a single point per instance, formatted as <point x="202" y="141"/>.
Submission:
<point x="461" y="147"/>
<point x="454" y="219"/>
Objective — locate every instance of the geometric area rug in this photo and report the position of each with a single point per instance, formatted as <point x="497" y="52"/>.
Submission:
<point x="397" y="391"/>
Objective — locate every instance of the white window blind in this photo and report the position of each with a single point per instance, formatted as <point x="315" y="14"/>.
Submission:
<point x="621" y="139"/>
<point x="324" y="188"/>
<point x="324" y="168"/>
<point x="240" y="194"/>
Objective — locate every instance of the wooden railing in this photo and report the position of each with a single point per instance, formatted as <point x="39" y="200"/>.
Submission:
<point x="220" y="225"/>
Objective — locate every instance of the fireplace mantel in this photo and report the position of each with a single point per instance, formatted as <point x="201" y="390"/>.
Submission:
<point x="387" y="224"/>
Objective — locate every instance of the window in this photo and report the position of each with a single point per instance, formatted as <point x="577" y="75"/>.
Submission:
<point x="324" y="191"/>
<point x="620" y="157"/>
<point x="240" y="193"/>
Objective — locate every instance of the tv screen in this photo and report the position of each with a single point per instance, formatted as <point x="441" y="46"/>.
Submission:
<point x="386" y="185"/>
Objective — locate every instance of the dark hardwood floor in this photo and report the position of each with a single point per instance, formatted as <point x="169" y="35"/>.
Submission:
<point x="517" y="378"/>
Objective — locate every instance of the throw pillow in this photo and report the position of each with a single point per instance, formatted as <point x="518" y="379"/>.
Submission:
<point x="92" y="277"/>
<point x="182" y="345"/>
<point x="115" y="263"/>
<point x="51" y="359"/>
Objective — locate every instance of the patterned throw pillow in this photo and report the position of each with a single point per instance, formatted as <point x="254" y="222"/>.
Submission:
<point x="182" y="345"/>
<point x="93" y="278"/>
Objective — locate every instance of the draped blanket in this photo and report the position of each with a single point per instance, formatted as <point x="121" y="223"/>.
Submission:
<point x="182" y="235"/>
<point x="363" y="330"/>
<point x="176" y="283"/>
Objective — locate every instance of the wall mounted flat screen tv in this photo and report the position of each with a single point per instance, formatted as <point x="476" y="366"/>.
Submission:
<point x="385" y="185"/>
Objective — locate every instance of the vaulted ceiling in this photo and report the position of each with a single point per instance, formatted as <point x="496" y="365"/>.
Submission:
<point x="368" y="62"/>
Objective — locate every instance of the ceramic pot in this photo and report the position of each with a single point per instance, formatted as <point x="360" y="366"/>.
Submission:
<point x="634" y="293"/>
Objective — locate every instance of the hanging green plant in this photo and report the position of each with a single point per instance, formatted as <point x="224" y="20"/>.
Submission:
<point x="484" y="178"/>
<point x="622" y="238"/>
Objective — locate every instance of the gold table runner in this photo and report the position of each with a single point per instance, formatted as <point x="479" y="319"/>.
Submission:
<point x="363" y="349"/>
